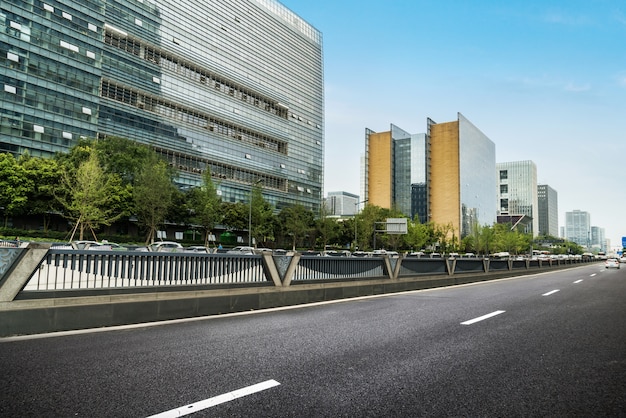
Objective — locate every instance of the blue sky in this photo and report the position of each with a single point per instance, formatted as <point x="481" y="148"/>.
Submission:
<point x="544" y="80"/>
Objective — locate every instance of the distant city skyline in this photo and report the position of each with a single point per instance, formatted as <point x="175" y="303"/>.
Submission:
<point x="544" y="80"/>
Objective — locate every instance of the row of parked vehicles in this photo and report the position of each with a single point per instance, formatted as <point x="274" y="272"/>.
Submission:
<point x="173" y="246"/>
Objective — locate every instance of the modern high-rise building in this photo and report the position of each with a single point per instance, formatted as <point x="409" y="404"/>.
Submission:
<point x="342" y="204"/>
<point x="517" y="195"/>
<point x="598" y="238"/>
<point x="548" y="213"/>
<point x="231" y="86"/>
<point x="395" y="162"/>
<point x="461" y="175"/>
<point x="578" y="227"/>
<point x="447" y="176"/>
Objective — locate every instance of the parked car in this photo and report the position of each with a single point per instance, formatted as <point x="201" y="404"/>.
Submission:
<point x="360" y="254"/>
<point x="333" y="253"/>
<point x="165" y="246"/>
<point x="622" y="259"/>
<point x="242" y="250"/>
<point x="611" y="263"/>
<point x="416" y="254"/>
<point x="196" y="249"/>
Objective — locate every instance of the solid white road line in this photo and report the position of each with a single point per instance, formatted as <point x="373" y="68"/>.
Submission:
<point x="550" y="292"/>
<point x="481" y="318"/>
<point x="592" y="275"/>
<point x="208" y="403"/>
<point x="578" y="281"/>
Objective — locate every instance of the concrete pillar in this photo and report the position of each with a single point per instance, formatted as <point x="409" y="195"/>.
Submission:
<point x="23" y="270"/>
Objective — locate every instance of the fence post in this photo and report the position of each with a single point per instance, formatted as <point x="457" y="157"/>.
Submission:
<point x="22" y="270"/>
<point x="291" y="269"/>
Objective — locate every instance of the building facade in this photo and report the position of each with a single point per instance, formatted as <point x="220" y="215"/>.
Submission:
<point x="578" y="227"/>
<point x="461" y="168"/>
<point x="231" y="86"/>
<point x="446" y="175"/>
<point x="598" y="239"/>
<point x="342" y="204"/>
<point x="517" y="194"/>
<point x="548" y="210"/>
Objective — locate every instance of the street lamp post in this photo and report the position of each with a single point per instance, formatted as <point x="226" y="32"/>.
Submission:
<point x="250" y="212"/>
<point x="356" y="209"/>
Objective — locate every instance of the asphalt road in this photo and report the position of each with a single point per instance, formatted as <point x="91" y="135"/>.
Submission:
<point x="552" y="344"/>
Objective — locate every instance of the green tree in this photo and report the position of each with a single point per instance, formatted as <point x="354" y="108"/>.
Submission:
<point x="296" y="223"/>
<point x="122" y="156"/>
<point x="44" y="173"/>
<point x="326" y="229"/>
<point x="205" y="206"/>
<point x="262" y="217"/>
<point x="486" y="240"/>
<point x="153" y="192"/>
<point x="418" y="234"/>
<point x="15" y="186"/>
<point x="235" y="215"/>
<point x="90" y="196"/>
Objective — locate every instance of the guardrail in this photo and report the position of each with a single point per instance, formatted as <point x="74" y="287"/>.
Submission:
<point x="89" y="269"/>
<point x="46" y="290"/>
<point x="63" y="269"/>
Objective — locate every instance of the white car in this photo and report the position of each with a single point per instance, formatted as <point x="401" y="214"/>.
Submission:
<point x="241" y="250"/>
<point x="165" y="246"/>
<point x="611" y="263"/>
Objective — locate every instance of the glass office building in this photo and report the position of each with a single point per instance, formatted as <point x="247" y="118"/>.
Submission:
<point x="578" y="227"/>
<point x="231" y="86"/>
<point x="518" y="194"/>
<point x="547" y="199"/>
<point x="462" y="176"/>
<point x="446" y="175"/>
<point x="395" y="170"/>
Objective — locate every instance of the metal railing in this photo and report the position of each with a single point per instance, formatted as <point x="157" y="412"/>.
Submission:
<point x="318" y="268"/>
<point x="88" y="269"/>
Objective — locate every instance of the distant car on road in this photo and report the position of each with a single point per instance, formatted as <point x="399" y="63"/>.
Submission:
<point x="611" y="263"/>
<point x="242" y="250"/>
<point x="196" y="249"/>
<point x="165" y="246"/>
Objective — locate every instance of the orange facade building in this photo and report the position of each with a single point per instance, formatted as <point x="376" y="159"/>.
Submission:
<point x="456" y="170"/>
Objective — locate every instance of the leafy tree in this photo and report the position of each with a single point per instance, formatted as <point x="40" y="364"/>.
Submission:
<point x="44" y="173"/>
<point x="326" y="229"/>
<point x="262" y="217"/>
<point x="296" y="222"/>
<point x="486" y="240"/>
<point x="15" y="186"/>
<point x="122" y="156"/>
<point x="90" y="196"/>
<point x="418" y="234"/>
<point x="205" y="206"/>
<point x="153" y="194"/>
<point x="235" y="215"/>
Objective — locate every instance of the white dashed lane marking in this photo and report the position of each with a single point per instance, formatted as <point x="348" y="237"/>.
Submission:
<point x="482" y="318"/>
<point x="550" y="292"/>
<point x="208" y="403"/>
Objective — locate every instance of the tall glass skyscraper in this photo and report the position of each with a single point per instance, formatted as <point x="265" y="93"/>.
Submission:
<point x="547" y="199"/>
<point x="517" y="192"/>
<point x="231" y="86"/>
<point x="578" y="227"/>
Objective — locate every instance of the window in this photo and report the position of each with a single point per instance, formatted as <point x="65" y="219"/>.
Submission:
<point x="504" y="174"/>
<point x="504" y="188"/>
